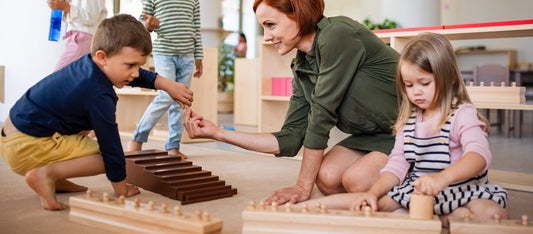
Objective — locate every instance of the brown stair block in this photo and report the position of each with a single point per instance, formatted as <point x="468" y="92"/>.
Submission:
<point x="173" y="177"/>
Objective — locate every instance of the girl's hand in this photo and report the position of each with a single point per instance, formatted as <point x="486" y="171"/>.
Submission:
<point x="430" y="184"/>
<point x="369" y="198"/>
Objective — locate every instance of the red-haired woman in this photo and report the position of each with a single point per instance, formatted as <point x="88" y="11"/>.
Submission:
<point x="344" y="76"/>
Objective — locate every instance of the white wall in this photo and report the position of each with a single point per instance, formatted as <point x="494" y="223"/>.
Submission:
<point x="25" y="51"/>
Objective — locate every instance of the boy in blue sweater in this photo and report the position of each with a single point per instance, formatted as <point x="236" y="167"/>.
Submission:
<point x="40" y="138"/>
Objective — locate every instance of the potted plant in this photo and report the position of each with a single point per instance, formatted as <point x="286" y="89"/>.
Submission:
<point x="226" y="75"/>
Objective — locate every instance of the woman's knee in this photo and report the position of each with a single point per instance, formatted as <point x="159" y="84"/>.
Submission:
<point x="329" y="180"/>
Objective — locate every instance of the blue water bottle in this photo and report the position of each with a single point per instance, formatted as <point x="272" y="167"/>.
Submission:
<point x="55" y="25"/>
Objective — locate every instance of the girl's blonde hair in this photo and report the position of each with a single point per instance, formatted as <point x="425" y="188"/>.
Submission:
<point x="434" y="54"/>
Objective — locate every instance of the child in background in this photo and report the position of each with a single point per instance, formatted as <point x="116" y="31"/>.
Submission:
<point x="40" y="137"/>
<point x="82" y="18"/>
<point x="441" y="133"/>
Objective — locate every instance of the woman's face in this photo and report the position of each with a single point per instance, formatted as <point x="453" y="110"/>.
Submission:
<point x="279" y="28"/>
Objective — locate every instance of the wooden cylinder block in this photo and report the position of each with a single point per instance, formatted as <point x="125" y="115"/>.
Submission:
<point x="421" y="207"/>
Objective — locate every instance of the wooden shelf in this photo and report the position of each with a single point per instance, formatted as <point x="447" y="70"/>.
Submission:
<point x="399" y="39"/>
<point x="272" y="109"/>
<point x="275" y="98"/>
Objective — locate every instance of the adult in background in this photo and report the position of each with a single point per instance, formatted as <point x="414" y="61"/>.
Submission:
<point x="344" y="76"/>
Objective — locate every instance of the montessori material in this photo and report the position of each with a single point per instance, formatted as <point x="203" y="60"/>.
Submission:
<point x="495" y="225"/>
<point x="126" y="216"/>
<point x="496" y="93"/>
<point x="291" y="219"/>
<point x="173" y="177"/>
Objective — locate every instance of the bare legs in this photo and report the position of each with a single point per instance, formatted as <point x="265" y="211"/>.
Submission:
<point x="348" y="170"/>
<point x="43" y="180"/>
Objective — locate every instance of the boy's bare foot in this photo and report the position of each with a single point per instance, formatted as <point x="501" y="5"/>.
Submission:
<point x="69" y="187"/>
<point x="45" y="188"/>
<point x="134" y="145"/>
<point x="177" y="152"/>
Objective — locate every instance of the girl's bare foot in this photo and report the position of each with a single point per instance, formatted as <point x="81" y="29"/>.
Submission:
<point x="44" y="187"/>
<point x="69" y="187"/>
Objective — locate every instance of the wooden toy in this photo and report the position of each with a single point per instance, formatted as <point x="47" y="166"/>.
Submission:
<point x="496" y="94"/>
<point x="125" y="216"/>
<point x="496" y="225"/>
<point x="421" y="207"/>
<point x="173" y="177"/>
<point x="301" y="219"/>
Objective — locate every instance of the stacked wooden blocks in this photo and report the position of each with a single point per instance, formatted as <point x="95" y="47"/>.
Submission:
<point x="173" y="177"/>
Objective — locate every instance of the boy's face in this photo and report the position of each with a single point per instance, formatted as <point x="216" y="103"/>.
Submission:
<point x="121" y="68"/>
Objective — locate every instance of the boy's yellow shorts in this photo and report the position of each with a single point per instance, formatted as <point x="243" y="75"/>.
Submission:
<point x="23" y="152"/>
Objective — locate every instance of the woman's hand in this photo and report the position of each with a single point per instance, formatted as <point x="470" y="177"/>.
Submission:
<point x="197" y="126"/>
<point x="292" y="195"/>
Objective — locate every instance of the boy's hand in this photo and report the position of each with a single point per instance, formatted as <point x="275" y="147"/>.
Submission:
<point x="181" y="94"/>
<point x="122" y="188"/>
<point x="151" y="22"/>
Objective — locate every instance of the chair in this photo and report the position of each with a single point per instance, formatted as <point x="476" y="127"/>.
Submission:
<point x="497" y="74"/>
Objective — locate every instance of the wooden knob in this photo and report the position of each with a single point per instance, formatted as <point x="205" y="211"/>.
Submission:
<point x="151" y="205"/>
<point x="467" y="216"/>
<point x="122" y="199"/>
<point x="288" y="208"/>
<point x="137" y="203"/>
<point x="164" y="208"/>
<point x="323" y="209"/>
<point x="207" y="216"/>
<point x="274" y="206"/>
<point x="497" y="218"/>
<point x="105" y="197"/>
<point x="367" y="210"/>
<point x="89" y="193"/>
<point x="177" y="210"/>
<point x="252" y="205"/>
<point x="306" y="208"/>
<point x="525" y="220"/>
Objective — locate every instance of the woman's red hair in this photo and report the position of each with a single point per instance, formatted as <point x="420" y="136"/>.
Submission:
<point x="306" y="13"/>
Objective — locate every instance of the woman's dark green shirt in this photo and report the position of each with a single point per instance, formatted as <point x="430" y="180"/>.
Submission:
<point x="346" y="80"/>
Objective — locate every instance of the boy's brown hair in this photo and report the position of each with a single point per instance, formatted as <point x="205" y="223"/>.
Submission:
<point x="120" y="31"/>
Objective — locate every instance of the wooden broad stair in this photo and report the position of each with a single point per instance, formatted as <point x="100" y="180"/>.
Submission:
<point x="173" y="177"/>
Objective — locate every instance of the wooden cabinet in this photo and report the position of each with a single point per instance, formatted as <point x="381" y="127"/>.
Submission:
<point x="246" y="91"/>
<point x="272" y="108"/>
<point x="467" y="59"/>
<point x="133" y="101"/>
